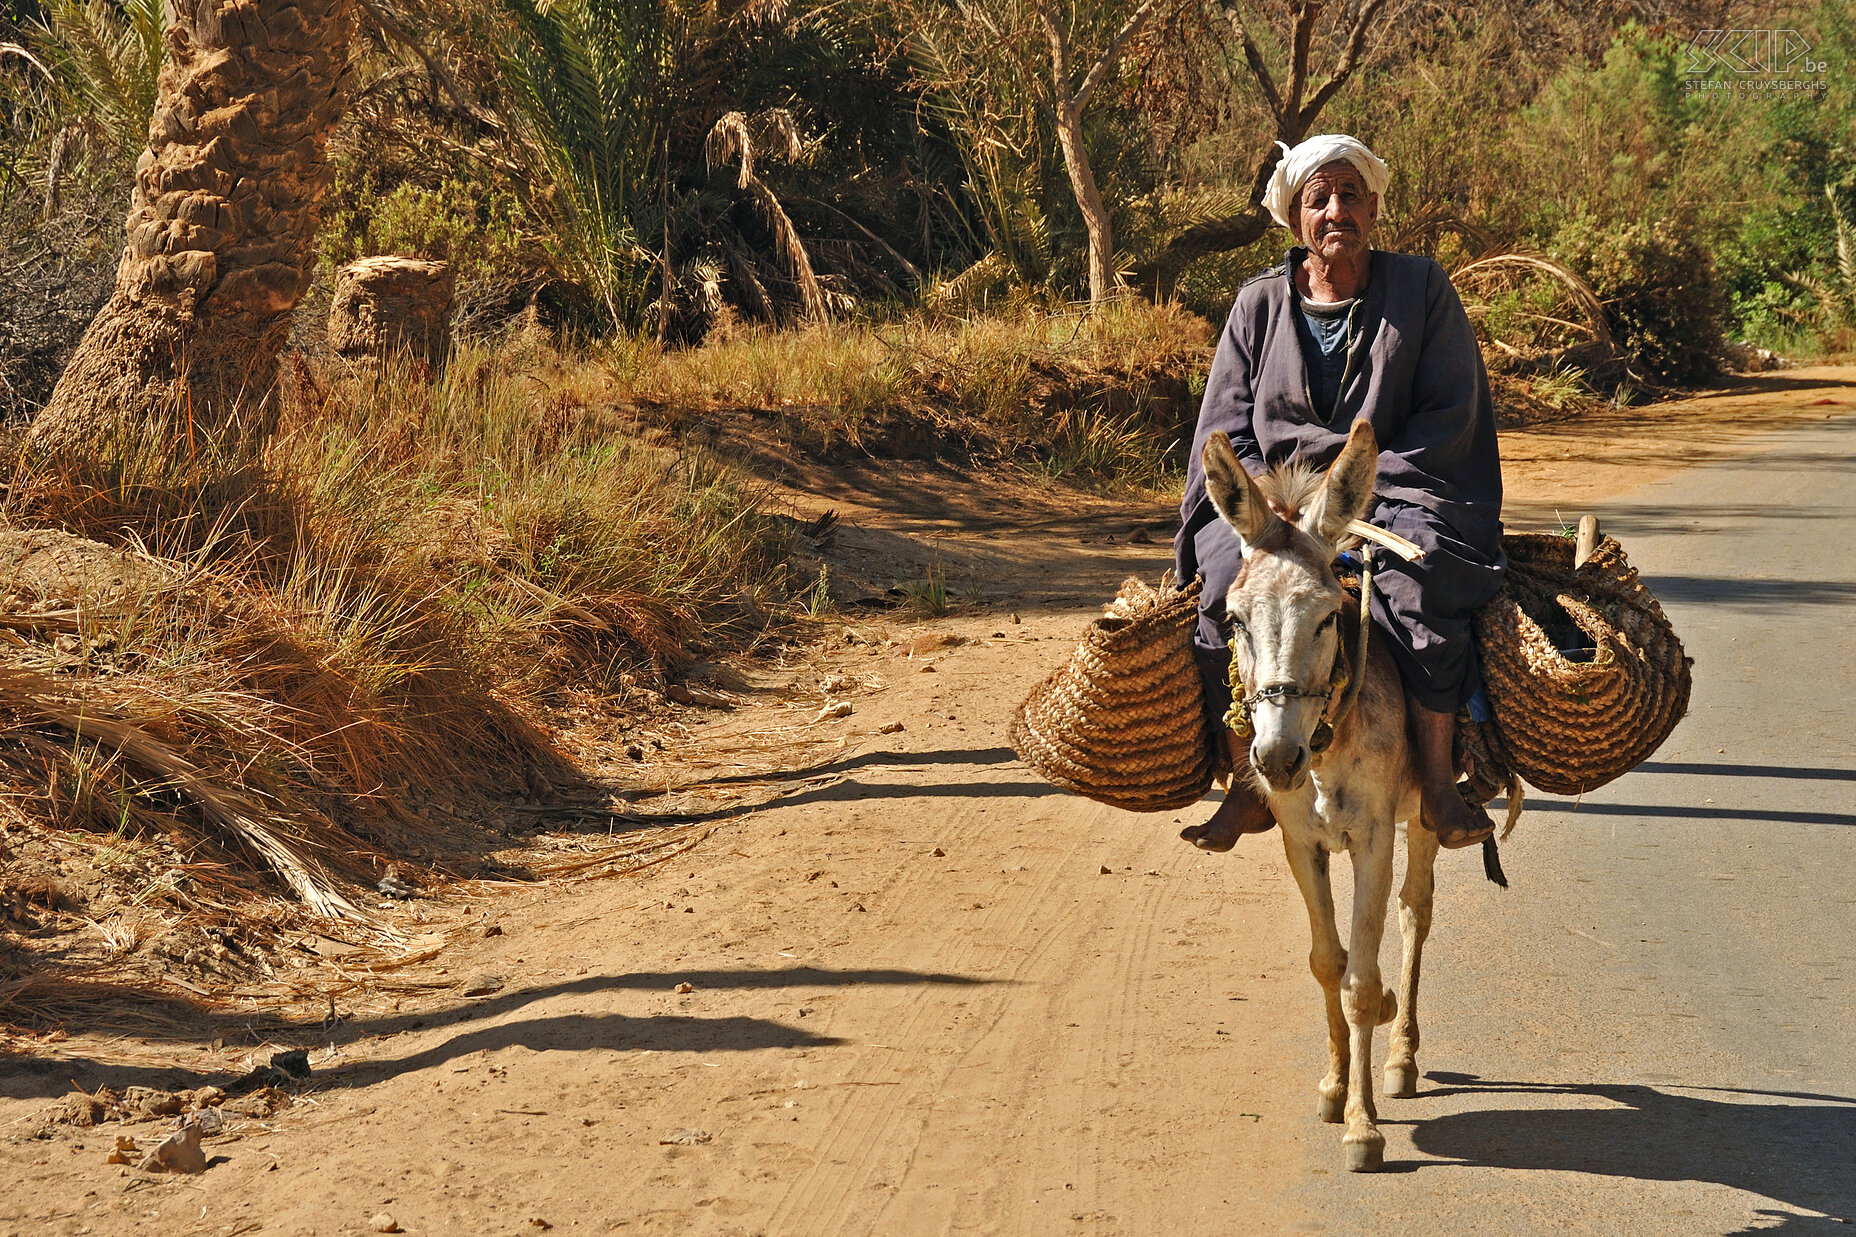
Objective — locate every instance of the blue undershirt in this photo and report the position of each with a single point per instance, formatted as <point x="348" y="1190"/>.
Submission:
<point x="1327" y="330"/>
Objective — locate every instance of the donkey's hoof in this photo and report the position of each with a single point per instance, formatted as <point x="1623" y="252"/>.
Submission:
<point x="1331" y="1109"/>
<point x="1366" y="1157"/>
<point x="1402" y="1080"/>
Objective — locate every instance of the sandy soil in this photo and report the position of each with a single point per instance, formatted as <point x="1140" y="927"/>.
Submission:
<point x="925" y="992"/>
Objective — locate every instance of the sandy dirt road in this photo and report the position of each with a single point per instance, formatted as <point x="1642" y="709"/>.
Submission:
<point x="930" y="994"/>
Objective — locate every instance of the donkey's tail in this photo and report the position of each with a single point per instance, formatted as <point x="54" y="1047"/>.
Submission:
<point x="1491" y="854"/>
<point x="1492" y="862"/>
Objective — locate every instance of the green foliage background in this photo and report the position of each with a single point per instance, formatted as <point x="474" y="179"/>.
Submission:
<point x="556" y="153"/>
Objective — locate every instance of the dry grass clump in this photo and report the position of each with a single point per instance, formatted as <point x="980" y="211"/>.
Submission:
<point x="362" y="609"/>
<point x="1539" y="397"/>
<point x="335" y="642"/>
<point x="1095" y="396"/>
<point x="557" y="538"/>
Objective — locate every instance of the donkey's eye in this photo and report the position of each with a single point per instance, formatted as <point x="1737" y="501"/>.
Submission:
<point x="1327" y="622"/>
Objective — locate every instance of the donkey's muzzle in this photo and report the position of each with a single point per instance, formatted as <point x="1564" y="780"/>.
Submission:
<point x="1283" y="765"/>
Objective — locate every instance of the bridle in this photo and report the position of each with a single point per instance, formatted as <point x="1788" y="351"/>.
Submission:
<point x="1344" y="680"/>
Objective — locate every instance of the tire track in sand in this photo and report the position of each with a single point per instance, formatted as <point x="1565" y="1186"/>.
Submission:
<point x="1066" y="1096"/>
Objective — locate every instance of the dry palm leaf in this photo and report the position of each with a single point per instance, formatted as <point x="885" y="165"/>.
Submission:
<point x="36" y="699"/>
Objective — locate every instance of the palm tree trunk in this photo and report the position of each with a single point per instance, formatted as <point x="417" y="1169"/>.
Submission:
<point x="222" y="225"/>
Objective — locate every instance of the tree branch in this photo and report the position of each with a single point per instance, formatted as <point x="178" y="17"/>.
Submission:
<point x="1266" y="168"/>
<point x="1112" y="53"/>
<point x="1356" y="43"/>
<point x="1059" y="53"/>
<point x="1253" y="56"/>
<point x="1306" y="13"/>
<point x="1293" y="120"/>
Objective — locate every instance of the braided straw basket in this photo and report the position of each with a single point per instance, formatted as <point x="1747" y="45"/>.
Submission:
<point x="1570" y="726"/>
<point x="1124" y="722"/>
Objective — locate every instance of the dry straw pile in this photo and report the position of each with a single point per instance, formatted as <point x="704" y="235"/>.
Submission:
<point x="308" y="653"/>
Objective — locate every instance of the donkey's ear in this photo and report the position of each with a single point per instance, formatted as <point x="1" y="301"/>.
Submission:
<point x="1348" y="490"/>
<point x="1233" y="492"/>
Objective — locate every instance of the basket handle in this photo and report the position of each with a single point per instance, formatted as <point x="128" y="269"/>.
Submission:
<point x="1410" y="551"/>
<point x="1587" y="543"/>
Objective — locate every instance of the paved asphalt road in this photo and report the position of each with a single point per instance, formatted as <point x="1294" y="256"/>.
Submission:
<point x="1659" y="1010"/>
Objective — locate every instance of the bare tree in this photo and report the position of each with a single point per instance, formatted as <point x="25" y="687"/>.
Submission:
<point x="222" y="225"/>
<point x="1068" y="99"/>
<point x="997" y="71"/>
<point x="1292" y="104"/>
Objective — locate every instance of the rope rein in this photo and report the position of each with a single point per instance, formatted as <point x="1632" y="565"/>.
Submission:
<point x="1350" y="693"/>
<point x="1344" y="680"/>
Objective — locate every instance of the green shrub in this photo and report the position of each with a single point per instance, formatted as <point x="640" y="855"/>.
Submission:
<point x="1663" y="299"/>
<point x="1770" y="243"/>
<point x="1829" y="296"/>
<point x="471" y="225"/>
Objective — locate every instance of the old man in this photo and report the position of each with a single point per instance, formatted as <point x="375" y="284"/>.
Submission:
<point x="1341" y="332"/>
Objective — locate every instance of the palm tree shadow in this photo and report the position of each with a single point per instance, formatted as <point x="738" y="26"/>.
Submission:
<point x="1793" y="1153"/>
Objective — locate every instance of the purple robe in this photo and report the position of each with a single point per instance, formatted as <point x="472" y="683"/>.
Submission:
<point x="1414" y="370"/>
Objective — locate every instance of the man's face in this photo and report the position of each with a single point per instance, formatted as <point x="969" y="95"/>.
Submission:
<point x="1336" y="214"/>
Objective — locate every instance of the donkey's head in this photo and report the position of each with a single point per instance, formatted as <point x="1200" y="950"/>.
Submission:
<point x="1285" y="603"/>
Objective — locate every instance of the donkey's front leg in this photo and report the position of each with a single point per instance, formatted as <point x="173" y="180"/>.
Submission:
<point x="1414" y="922"/>
<point x="1363" y="998"/>
<point x="1328" y="960"/>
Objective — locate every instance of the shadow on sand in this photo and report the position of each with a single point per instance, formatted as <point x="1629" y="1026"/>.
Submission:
<point x="486" y="1025"/>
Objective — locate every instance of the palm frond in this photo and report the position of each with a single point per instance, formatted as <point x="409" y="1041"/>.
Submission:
<point x="109" y="59"/>
<point x="781" y="124"/>
<point x="586" y="79"/>
<point x="1432" y="220"/>
<point x="728" y="140"/>
<point x="1832" y="302"/>
<point x="1846" y="241"/>
<point x="96" y="65"/>
<point x="1813" y="312"/>
<point x="999" y="132"/>
<point x="731" y="138"/>
<point x="970" y="286"/>
<point x="1538" y="263"/>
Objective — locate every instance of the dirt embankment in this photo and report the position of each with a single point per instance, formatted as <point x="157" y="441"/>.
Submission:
<point x="915" y="991"/>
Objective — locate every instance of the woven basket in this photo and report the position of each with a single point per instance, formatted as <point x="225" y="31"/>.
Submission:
<point x="1569" y="726"/>
<point x="1124" y="722"/>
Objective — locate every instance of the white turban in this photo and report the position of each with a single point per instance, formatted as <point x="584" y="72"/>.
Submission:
<point x="1317" y="152"/>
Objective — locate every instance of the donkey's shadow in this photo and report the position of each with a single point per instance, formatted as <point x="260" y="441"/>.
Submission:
<point x="1797" y="1153"/>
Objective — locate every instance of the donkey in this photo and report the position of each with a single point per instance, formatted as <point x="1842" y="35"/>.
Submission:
<point x="1288" y="612"/>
